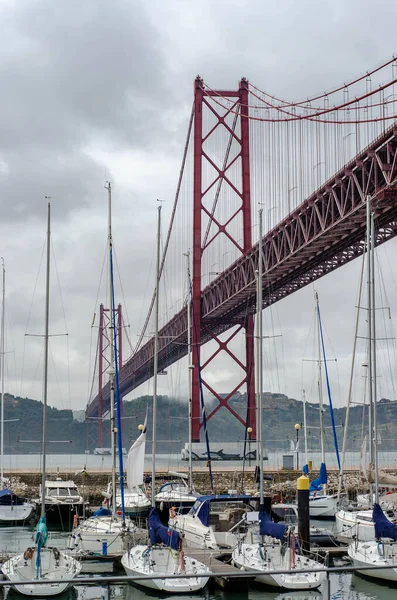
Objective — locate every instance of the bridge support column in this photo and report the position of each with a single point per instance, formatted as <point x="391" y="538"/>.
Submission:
<point x="209" y="119"/>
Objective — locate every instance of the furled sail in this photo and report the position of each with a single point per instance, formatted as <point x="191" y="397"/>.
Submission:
<point x="268" y="527"/>
<point x="317" y="484"/>
<point x="160" y="534"/>
<point x="136" y="460"/>
<point x="383" y="527"/>
<point x="383" y="477"/>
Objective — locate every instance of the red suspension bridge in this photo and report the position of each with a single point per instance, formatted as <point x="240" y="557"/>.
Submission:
<point x="252" y="148"/>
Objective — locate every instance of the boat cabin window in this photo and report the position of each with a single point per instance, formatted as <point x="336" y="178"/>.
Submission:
<point x="172" y="485"/>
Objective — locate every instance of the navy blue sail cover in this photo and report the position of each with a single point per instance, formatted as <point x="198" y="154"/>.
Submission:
<point x="383" y="527"/>
<point x="159" y="533"/>
<point x="267" y="527"/>
<point x="317" y="484"/>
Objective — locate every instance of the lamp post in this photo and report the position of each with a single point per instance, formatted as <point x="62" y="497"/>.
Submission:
<point x="297" y="427"/>
<point x="249" y="431"/>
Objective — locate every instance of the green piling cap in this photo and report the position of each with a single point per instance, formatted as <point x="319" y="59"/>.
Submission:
<point x="302" y="483"/>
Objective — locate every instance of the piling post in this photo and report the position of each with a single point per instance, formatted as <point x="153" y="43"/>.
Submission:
<point x="302" y="486"/>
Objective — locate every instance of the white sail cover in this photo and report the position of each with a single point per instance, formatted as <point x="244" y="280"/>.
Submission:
<point x="136" y="459"/>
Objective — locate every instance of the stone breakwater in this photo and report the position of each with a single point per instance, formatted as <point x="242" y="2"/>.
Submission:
<point x="282" y="485"/>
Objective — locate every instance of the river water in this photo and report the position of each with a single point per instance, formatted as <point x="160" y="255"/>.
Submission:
<point x="344" y="586"/>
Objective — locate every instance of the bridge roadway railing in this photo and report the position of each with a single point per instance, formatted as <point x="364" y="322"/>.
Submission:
<point x="323" y="233"/>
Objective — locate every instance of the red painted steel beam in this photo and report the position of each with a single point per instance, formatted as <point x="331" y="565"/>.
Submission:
<point x="325" y="232"/>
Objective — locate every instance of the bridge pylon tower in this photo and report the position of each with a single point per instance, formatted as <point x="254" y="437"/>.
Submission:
<point x="221" y="117"/>
<point x="104" y="341"/>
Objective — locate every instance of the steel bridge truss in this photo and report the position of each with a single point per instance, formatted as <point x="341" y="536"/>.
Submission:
<point x="325" y="232"/>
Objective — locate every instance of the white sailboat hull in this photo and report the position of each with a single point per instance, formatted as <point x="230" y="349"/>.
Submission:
<point x="16" y="514"/>
<point x="357" y="524"/>
<point x="158" y="560"/>
<point x="364" y="554"/>
<point x="55" y="565"/>
<point x="103" y="536"/>
<point x="136" y="503"/>
<point x="323" y="506"/>
<point x="268" y="558"/>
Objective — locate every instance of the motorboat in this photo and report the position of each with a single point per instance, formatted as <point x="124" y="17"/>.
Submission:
<point x="63" y="502"/>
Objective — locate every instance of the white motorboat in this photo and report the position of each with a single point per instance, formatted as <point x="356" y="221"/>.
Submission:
<point x="62" y="502"/>
<point x="47" y="566"/>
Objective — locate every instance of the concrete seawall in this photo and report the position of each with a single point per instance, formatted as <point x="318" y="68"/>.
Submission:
<point x="283" y="484"/>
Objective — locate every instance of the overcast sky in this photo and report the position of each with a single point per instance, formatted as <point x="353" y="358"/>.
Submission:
<point x="94" y="91"/>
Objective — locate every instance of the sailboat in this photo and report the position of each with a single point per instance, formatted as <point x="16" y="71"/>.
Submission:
<point x="178" y="496"/>
<point x="47" y="566"/>
<point x="321" y="504"/>
<point x="107" y="532"/>
<point x="276" y="549"/>
<point x="13" y="508"/>
<point x="381" y="551"/>
<point x="164" y="555"/>
<point x="359" y="524"/>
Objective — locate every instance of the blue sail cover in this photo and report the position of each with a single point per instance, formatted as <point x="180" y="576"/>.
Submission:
<point x="305" y="469"/>
<point x="267" y="527"/>
<point x="159" y="533"/>
<point x="317" y="484"/>
<point x="383" y="527"/>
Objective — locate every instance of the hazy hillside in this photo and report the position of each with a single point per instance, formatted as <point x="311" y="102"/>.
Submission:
<point x="66" y="434"/>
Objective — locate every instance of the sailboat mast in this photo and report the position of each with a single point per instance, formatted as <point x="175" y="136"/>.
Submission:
<point x="155" y="360"/>
<point x="260" y="357"/>
<point x="305" y="424"/>
<point x="375" y="421"/>
<point x="111" y="369"/>
<point x="189" y="370"/>
<point x="45" y="390"/>
<point x="370" y="347"/>
<point x="2" y="372"/>
<point x="320" y="388"/>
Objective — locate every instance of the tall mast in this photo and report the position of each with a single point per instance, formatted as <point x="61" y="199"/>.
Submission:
<point x="111" y="369"/>
<point x="45" y="390"/>
<point x="189" y="370"/>
<point x="375" y="421"/>
<point x="370" y="347"/>
<point x="260" y="358"/>
<point x="2" y="372"/>
<point x="305" y="424"/>
<point x="155" y="360"/>
<point x="320" y="388"/>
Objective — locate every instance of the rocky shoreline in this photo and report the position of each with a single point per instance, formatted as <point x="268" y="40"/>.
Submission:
<point x="282" y="485"/>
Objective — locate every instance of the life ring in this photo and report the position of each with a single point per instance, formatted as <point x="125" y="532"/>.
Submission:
<point x="172" y="512"/>
<point x="28" y="554"/>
